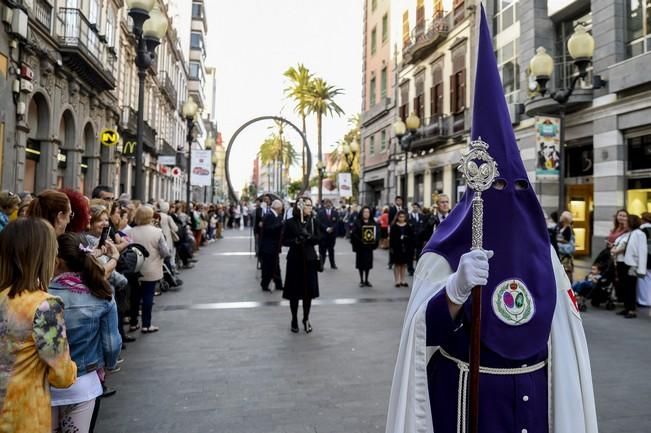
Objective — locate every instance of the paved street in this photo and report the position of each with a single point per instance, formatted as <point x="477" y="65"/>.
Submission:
<point x="225" y="361"/>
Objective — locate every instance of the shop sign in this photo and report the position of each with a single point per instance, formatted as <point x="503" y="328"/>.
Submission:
<point x="167" y="160"/>
<point x="109" y="137"/>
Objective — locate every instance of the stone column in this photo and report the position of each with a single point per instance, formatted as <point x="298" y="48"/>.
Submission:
<point x="72" y="175"/>
<point x="448" y="183"/>
<point x="427" y="189"/>
<point x="19" y="151"/>
<point x="609" y="177"/>
<point x="46" y="173"/>
<point x="92" y="172"/>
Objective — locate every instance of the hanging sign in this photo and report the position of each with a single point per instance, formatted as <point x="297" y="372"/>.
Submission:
<point x="176" y="172"/>
<point x="548" y="142"/>
<point x="201" y="168"/>
<point x="345" y="182"/>
<point x="109" y="137"/>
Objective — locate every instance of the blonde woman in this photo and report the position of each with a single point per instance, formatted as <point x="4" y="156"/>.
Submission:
<point x="35" y="351"/>
<point x="152" y="238"/>
<point x="566" y="243"/>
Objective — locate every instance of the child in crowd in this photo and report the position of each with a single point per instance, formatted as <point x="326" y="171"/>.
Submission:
<point x="581" y="288"/>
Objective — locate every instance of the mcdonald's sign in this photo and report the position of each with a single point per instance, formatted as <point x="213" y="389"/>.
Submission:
<point x="129" y="147"/>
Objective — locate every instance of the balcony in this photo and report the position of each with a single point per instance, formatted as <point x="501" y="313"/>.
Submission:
<point x="168" y="89"/>
<point x="426" y="37"/>
<point x="541" y="105"/>
<point x="149" y="136"/>
<point x="42" y="14"/>
<point x="433" y="132"/>
<point x="377" y="111"/>
<point x="83" y="51"/>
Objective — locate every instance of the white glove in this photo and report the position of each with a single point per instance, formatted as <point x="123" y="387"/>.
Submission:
<point x="472" y="271"/>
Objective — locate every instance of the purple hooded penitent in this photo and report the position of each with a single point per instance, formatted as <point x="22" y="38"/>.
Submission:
<point x="514" y="225"/>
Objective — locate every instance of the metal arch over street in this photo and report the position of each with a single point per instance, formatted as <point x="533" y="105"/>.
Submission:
<point x="306" y="148"/>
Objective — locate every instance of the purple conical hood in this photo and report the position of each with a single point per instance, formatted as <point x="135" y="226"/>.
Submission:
<point x="514" y="225"/>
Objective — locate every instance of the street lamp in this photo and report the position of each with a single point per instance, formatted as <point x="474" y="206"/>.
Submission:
<point x="400" y="128"/>
<point x="190" y="109"/>
<point x="581" y="48"/>
<point x="149" y="27"/>
<point x="350" y="151"/>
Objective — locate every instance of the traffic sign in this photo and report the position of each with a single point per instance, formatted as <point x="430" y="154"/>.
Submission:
<point x="176" y="172"/>
<point x="109" y="137"/>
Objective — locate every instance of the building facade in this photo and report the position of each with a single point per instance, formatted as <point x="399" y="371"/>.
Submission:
<point x="378" y="102"/>
<point x="435" y="45"/>
<point x="69" y="73"/>
<point x="607" y="146"/>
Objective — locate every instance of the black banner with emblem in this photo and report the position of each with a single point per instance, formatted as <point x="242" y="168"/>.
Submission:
<point x="369" y="234"/>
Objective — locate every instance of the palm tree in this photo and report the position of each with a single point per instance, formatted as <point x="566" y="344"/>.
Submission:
<point x="320" y="101"/>
<point x="300" y="79"/>
<point x="277" y="151"/>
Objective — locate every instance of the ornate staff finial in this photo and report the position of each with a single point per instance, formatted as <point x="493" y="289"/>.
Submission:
<point x="479" y="170"/>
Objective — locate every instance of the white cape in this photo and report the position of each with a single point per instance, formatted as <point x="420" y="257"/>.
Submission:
<point x="571" y="396"/>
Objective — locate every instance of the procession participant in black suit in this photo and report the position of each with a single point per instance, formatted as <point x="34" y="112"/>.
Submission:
<point x="401" y="245"/>
<point x="328" y="220"/>
<point x="365" y="237"/>
<point x="301" y="234"/>
<point x="393" y="211"/>
<point x="417" y="224"/>
<point x="270" y="237"/>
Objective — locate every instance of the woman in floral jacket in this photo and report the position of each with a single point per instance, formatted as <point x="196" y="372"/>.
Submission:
<point x="33" y="343"/>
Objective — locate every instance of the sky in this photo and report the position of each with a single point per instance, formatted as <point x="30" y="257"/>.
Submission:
<point x="252" y="42"/>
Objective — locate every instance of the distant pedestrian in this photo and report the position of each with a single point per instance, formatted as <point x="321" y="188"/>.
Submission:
<point x="301" y="233"/>
<point x="270" y="246"/>
<point x="384" y="223"/>
<point x="617" y="240"/>
<point x="635" y="258"/>
<point x="393" y="211"/>
<point x="566" y="243"/>
<point x="328" y="219"/>
<point x="365" y="237"/>
<point x="401" y="247"/>
<point x="35" y="351"/>
<point x="416" y="221"/>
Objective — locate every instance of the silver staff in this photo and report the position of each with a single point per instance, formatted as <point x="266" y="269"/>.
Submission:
<point x="480" y="170"/>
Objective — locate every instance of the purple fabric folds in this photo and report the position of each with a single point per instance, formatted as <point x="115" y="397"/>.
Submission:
<point x="514" y="223"/>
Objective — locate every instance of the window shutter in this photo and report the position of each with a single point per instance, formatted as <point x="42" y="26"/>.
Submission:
<point x="453" y="99"/>
<point x="432" y="101"/>
<point x="439" y="99"/>
<point x="462" y="89"/>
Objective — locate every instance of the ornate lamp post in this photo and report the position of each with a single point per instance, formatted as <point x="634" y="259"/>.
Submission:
<point x="350" y="151"/>
<point x="581" y="48"/>
<point x="149" y="27"/>
<point x="190" y="109"/>
<point x="399" y="130"/>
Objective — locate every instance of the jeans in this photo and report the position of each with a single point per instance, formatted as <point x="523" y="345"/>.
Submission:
<point x="580" y="287"/>
<point x="148" y="288"/>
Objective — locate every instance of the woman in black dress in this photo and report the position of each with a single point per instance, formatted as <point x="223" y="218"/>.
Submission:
<point x="301" y="233"/>
<point x="401" y="243"/>
<point x="365" y="237"/>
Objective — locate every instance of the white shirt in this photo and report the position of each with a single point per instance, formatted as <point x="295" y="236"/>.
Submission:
<point x="86" y="388"/>
<point x="636" y="252"/>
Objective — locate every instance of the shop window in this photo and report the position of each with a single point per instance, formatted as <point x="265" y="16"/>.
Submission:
<point x="580" y="161"/>
<point x="638" y="196"/>
<point x="639" y="152"/>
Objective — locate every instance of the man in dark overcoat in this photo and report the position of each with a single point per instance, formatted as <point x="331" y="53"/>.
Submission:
<point x="328" y="219"/>
<point x="270" y="245"/>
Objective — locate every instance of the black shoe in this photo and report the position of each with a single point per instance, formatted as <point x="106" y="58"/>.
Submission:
<point x="193" y="260"/>
<point x="188" y="266"/>
<point x="631" y="315"/>
<point x="367" y="284"/>
<point x="623" y="313"/>
<point x="108" y="392"/>
<point x="294" y="326"/>
<point x="390" y="266"/>
<point x="128" y="339"/>
<point x="334" y="267"/>
<point x="307" y="326"/>
<point x="362" y="284"/>
<point x="266" y="289"/>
